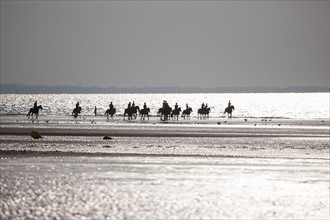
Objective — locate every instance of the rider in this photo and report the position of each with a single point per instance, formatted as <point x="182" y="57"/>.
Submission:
<point x="133" y="104"/>
<point x="129" y="105"/>
<point x="229" y="104"/>
<point x="77" y="105"/>
<point x="187" y="107"/>
<point x="176" y="106"/>
<point x="111" y="106"/>
<point x="165" y="105"/>
<point x="144" y="106"/>
<point x="35" y="106"/>
<point x="203" y="105"/>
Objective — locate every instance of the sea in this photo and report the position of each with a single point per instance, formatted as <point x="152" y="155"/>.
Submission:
<point x="250" y="105"/>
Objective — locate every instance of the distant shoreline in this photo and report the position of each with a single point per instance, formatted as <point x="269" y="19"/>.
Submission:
<point x="42" y="89"/>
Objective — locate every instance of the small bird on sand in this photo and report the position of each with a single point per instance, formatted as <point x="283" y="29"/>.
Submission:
<point x="219" y="123"/>
<point x="107" y="138"/>
<point x="245" y="119"/>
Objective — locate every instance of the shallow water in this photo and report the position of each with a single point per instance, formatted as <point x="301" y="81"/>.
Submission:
<point x="277" y="105"/>
<point x="163" y="188"/>
<point x="245" y="169"/>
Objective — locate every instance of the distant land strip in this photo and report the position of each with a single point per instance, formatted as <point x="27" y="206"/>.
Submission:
<point x="42" y="89"/>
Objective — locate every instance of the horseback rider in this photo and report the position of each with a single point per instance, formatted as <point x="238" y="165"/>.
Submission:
<point x="77" y="105"/>
<point x="206" y="106"/>
<point x="187" y="107"/>
<point x="35" y="105"/>
<point x="165" y="105"/>
<point x="144" y="106"/>
<point x="133" y="104"/>
<point x="129" y="105"/>
<point x="203" y="106"/>
<point x="111" y="106"/>
<point x="229" y="104"/>
<point x="176" y="106"/>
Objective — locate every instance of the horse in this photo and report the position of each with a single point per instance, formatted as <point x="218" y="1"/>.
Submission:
<point x="131" y="112"/>
<point x="144" y="112"/>
<point x="229" y="111"/>
<point x="176" y="112"/>
<point x="159" y="113"/>
<point x="34" y="111"/>
<point x="204" y="113"/>
<point x="186" y="113"/>
<point x="76" y="112"/>
<point x="110" y="112"/>
<point x="165" y="113"/>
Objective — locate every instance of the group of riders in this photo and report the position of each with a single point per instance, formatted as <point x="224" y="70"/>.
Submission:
<point x="131" y="110"/>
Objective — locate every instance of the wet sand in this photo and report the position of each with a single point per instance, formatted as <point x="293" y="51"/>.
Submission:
<point x="196" y="169"/>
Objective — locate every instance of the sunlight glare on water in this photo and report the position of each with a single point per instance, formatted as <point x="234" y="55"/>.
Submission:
<point x="279" y="105"/>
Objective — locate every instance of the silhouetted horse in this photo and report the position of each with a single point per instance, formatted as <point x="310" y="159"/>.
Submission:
<point x="76" y="112"/>
<point x="165" y="113"/>
<point x="204" y="113"/>
<point x="131" y="112"/>
<point x="176" y="112"/>
<point x="110" y="112"/>
<point x="144" y="112"/>
<point x="229" y="111"/>
<point x="186" y="113"/>
<point x="34" y="111"/>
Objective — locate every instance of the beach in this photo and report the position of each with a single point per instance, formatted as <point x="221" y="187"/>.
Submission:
<point x="218" y="168"/>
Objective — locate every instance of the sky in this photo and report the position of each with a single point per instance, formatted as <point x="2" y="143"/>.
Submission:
<point x="166" y="43"/>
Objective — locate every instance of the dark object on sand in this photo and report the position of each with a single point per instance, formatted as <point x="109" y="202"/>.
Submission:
<point x="107" y="146"/>
<point x="107" y="138"/>
<point x="35" y="135"/>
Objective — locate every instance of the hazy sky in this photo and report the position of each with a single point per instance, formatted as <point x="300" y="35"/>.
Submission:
<point x="165" y="43"/>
